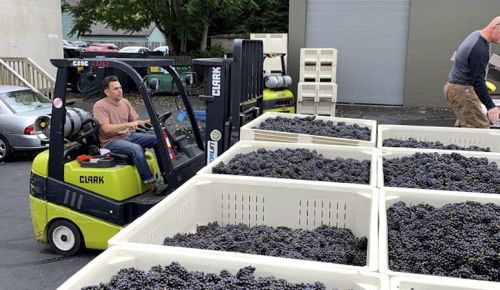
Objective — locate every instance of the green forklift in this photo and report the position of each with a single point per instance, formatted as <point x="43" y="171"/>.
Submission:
<point x="166" y="84"/>
<point x="276" y="95"/>
<point x="82" y="202"/>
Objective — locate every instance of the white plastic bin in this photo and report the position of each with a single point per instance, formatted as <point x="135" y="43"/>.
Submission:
<point x="328" y="151"/>
<point x="390" y="196"/>
<point x="463" y="137"/>
<point x="251" y="133"/>
<point x="318" y="55"/>
<point x="318" y="72"/>
<point x="316" y="98"/>
<point x="318" y="65"/>
<point x="318" y="90"/>
<point x="205" y="199"/>
<point x="307" y="105"/>
<point x="107" y="264"/>
<point x="438" y="283"/>
<point x="404" y="152"/>
<point x="273" y="43"/>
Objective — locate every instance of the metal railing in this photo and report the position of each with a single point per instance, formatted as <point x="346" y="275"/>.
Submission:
<point x="23" y="71"/>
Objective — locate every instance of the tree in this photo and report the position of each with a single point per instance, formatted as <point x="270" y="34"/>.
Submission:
<point x="172" y="17"/>
<point x="264" y="16"/>
<point x="185" y="23"/>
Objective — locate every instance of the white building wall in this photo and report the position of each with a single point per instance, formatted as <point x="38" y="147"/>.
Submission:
<point x="31" y="28"/>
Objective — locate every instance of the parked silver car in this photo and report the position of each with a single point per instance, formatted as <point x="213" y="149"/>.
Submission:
<point x="19" y="107"/>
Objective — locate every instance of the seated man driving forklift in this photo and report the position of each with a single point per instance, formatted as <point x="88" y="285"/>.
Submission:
<point x="118" y="123"/>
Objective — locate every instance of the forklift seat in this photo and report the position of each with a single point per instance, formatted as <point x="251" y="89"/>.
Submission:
<point x="89" y="144"/>
<point x="93" y="140"/>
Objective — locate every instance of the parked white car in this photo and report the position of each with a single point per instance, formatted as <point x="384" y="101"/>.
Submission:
<point x="164" y="49"/>
<point x="135" y="49"/>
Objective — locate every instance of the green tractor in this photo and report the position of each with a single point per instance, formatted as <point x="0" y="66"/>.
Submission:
<point x="82" y="202"/>
<point x="166" y="84"/>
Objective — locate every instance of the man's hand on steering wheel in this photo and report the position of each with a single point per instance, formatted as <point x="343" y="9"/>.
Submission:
<point x="144" y="126"/>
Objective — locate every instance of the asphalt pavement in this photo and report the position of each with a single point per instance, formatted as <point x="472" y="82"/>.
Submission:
<point x="26" y="264"/>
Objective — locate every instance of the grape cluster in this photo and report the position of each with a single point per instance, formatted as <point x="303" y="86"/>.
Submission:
<point x="311" y="126"/>
<point x="458" y="240"/>
<point x="296" y="164"/>
<point x="414" y="143"/>
<point x="442" y="172"/>
<point x="324" y="244"/>
<point x="176" y="277"/>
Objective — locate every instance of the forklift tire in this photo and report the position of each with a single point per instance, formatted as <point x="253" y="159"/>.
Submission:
<point x="64" y="238"/>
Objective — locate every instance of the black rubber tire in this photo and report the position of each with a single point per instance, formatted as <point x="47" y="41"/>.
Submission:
<point x="64" y="238"/>
<point x="5" y="149"/>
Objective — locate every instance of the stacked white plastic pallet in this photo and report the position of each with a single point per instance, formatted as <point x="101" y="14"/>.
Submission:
<point x="317" y="88"/>
<point x="272" y="43"/>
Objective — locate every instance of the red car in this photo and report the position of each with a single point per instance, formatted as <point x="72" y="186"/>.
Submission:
<point x="102" y="47"/>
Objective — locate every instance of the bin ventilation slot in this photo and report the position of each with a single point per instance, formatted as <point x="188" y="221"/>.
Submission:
<point x="316" y="212"/>
<point x="183" y="213"/>
<point x="464" y="142"/>
<point x="242" y="208"/>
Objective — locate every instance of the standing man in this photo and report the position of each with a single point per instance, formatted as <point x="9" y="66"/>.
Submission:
<point x="118" y="122"/>
<point x="466" y="87"/>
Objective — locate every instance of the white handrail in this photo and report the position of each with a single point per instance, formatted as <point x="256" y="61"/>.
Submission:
<point x="19" y="78"/>
<point x="46" y="74"/>
<point x="26" y="72"/>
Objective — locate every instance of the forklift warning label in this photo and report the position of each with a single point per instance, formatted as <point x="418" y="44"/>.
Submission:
<point x="211" y="151"/>
<point x="92" y="179"/>
<point x="216" y="81"/>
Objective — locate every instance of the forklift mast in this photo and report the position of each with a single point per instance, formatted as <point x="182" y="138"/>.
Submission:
<point x="233" y="94"/>
<point x="58" y="116"/>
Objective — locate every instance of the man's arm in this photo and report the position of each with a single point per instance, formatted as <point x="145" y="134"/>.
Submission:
<point x="117" y="128"/>
<point x="478" y="62"/>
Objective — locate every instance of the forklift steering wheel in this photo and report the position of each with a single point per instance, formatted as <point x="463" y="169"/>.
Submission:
<point x="145" y="128"/>
<point x="90" y="126"/>
<point x="163" y="117"/>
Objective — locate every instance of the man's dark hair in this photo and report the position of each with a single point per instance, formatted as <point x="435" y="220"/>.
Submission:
<point x="105" y="82"/>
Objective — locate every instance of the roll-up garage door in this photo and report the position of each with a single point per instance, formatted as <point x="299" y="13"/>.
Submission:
<point x="371" y="37"/>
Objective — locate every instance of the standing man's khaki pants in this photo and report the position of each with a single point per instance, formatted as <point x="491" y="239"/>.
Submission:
<point x="466" y="105"/>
